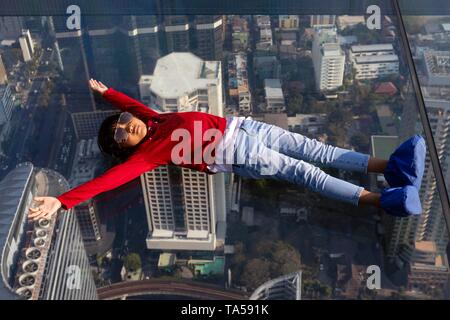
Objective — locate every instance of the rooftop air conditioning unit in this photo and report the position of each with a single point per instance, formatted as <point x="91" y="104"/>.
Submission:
<point x="43" y="223"/>
<point x="40" y="233"/>
<point x="25" y="292"/>
<point x="39" y="242"/>
<point x="33" y="253"/>
<point x="27" y="280"/>
<point x="30" y="267"/>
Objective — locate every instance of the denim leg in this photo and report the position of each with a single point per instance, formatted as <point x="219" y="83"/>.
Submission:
<point x="258" y="161"/>
<point x="301" y="147"/>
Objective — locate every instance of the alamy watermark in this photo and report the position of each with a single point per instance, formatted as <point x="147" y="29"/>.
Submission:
<point x="374" y="279"/>
<point x="73" y="281"/>
<point x="374" y="20"/>
<point x="190" y="150"/>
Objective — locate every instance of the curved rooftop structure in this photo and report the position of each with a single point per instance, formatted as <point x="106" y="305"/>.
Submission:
<point x="34" y="258"/>
<point x="13" y="189"/>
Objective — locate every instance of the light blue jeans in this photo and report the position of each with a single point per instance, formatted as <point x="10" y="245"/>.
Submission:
<point x="262" y="150"/>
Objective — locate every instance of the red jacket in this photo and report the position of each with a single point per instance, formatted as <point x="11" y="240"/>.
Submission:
<point x="153" y="152"/>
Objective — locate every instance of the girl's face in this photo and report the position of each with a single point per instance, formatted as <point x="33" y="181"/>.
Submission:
<point x="136" y="130"/>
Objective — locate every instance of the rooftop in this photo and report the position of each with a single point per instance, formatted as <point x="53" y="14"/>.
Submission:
<point x="377" y="58"/>
<point x="386" y="88"/>
<point x="437" y="62"/>
<point x="372" y="47"/>
<point x="272" y="87"/>
<point x="181" y="73"/>
<point x="446" y="27"/>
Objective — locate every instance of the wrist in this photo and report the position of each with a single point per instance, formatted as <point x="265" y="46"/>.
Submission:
<point x="103" y="92"/>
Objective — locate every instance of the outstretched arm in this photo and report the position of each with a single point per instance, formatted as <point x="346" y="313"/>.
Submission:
<point x="111" y="179"/>
<point x="120" y="100"/>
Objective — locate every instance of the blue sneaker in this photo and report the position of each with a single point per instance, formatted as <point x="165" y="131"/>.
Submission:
<point x="401" y="202"/>
<point x="407" y="163"/>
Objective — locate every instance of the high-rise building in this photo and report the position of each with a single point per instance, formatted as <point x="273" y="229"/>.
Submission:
<point x="43" y="259"/>
<point x="103" y="57"/>
<point x="26" y="33"/>
<point x="185" y="208"/>
<point x="6" y="103"/>
<point x="430" y="225"/>
<point x="26" y="45"/>
<point x="87" y="124"/>
<point x="176" y="33"/>
<point x="328" y="59"/>
<point x="287" y="287"/>
<point x="86" y="163"/>
<point x="70" y="51"/>
<point x="140" y="39"/>
<point x="419" y="243"/>
<point x="209" y="34"/>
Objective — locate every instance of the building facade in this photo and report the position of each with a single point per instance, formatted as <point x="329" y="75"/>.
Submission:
<point x="43" y="259"/>
<point x="185" y="208"/>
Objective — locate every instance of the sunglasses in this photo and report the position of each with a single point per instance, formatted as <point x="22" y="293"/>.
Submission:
<point x="120" y="134"/>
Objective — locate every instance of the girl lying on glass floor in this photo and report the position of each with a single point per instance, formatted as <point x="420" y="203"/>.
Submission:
<point x="142" y="140"/>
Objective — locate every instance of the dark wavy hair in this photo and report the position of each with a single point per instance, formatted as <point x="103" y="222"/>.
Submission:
<point x="108" y="145"/>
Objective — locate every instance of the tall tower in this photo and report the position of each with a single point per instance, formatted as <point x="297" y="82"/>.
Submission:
<point x="46" y="259"/>
<point x="70" y="51"/>
<point x="209" y="37"/>
<point x="430" y="226"/>
<point x="177" y="35"/>
<point x="328" y="59"/>
<point x="140" y="36"/>
<point x="185" y="208"/>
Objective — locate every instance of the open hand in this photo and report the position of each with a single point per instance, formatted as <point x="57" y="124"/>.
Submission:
<point x="47" y="207"/>
<point x="97" y="86"/>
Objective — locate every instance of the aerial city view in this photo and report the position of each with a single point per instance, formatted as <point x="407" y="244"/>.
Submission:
<point x="159" y="231"/>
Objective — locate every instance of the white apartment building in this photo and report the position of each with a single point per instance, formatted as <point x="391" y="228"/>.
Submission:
<point x="373" y="61"/>
<point x="328" y="59"/>
<point x="185" y="208"/>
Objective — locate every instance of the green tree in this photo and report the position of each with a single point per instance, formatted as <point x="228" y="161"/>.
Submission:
<point x="255" y="273"/>
<point x="360" y="141"/>
<point x="132" y="262"/>
<point x="283" y="257"/>
<point x="295" y="104"/>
